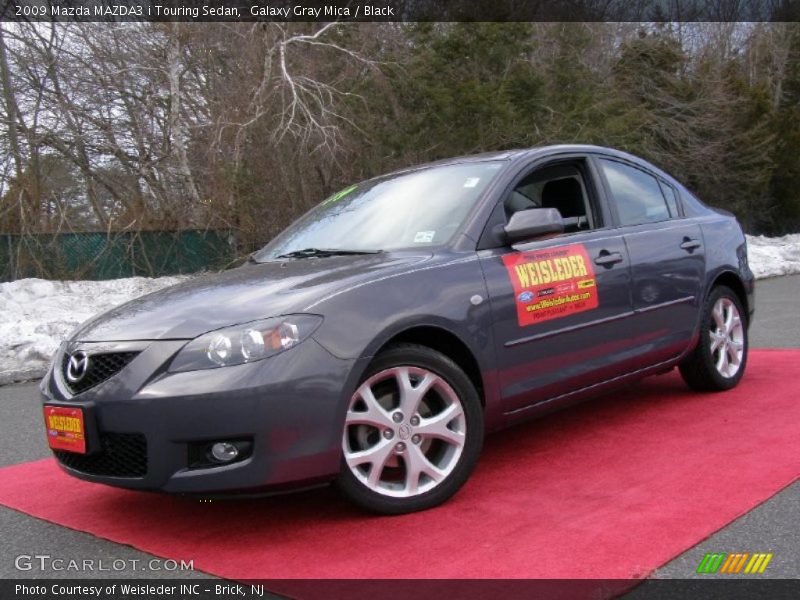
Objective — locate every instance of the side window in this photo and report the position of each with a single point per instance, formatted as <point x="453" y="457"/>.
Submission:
<point x="562" y="187"/>
<point x="637" y="195"/>
<point x="672" y="199"/>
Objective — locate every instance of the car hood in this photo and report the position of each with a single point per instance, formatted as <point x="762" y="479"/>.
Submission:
<point x="247" y="293"/>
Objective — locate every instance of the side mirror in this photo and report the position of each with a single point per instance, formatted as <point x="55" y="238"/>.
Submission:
<point x="527" y="225"/>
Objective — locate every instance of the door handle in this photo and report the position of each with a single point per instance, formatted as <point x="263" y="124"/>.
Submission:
<point x="690" y="244"/>
<point x="608" y="259"/>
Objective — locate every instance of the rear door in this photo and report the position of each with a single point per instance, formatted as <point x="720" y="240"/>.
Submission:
<point x="561" y="306"/>
<point x="667" y="258"/>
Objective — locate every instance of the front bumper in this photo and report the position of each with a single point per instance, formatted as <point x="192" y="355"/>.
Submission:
<point x="291" y="406"/>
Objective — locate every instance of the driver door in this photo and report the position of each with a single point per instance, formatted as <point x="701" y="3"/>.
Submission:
<point x="562" y="305"/>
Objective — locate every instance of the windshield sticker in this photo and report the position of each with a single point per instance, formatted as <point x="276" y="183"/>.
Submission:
<point x="339" y="195"/>
<point x="424" y="237"/>
<point x="553" y="283"/>
<point x="471" y="182"/>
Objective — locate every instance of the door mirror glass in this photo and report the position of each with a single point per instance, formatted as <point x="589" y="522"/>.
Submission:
<point x="527" y="225"/>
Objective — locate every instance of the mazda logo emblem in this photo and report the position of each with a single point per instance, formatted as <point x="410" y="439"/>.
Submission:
<point x="77" y="366"/>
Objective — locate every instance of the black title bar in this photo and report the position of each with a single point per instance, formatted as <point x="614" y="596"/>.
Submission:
<point x="401" y="10"/>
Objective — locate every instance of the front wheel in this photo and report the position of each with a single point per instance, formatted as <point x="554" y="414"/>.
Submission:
<point x="413" y="432"/>
<point x="719" y="360"/>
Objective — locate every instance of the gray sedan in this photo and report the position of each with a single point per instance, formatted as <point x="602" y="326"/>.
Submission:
<point x="376" y="340"/>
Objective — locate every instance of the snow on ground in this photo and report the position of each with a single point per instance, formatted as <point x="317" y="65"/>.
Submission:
<point x="773" y="257"/>
<point x="36" y="315"/>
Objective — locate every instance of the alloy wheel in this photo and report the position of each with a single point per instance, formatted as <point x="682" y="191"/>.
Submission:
<point x="727" y="337"/>
<point x="405" y="431"/>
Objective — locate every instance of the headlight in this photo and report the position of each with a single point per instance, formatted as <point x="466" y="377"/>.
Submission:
<point x="245" y="343"/>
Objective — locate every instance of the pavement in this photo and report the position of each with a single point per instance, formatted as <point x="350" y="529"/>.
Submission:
<point x="770" y="527"/>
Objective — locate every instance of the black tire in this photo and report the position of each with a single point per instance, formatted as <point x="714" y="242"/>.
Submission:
<point x="422" y="357"/>
<point x="699" y="369"/>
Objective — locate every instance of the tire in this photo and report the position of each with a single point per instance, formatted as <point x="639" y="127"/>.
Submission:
<point x="424" y="443"/>
<point x="718" y="361"/>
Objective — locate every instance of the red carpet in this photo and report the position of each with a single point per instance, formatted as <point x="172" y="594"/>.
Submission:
<point x="609" y="489"/>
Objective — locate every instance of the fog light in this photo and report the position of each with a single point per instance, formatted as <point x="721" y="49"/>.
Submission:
<point x="224" y="451"/>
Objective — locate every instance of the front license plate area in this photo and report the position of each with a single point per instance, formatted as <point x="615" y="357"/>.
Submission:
<point x="66" y="429"/>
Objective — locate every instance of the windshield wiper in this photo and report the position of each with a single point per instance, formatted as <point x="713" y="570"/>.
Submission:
<point x="323" y="252"/>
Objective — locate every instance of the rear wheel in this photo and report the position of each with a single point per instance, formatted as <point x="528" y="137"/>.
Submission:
<point x="413" y="432"/>
<point x="719" y="360"/>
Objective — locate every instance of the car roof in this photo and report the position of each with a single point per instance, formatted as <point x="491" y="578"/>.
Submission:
<point x="524" y="154"/>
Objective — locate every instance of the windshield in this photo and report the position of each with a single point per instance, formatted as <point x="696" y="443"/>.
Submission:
<point x="418" y="208"/>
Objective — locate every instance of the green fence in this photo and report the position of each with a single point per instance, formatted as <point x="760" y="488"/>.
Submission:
<point x="98" y="255"/>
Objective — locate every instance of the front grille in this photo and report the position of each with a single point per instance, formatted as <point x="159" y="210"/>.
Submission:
<point x="121" y="455"/>
<point x="101" y="367"/>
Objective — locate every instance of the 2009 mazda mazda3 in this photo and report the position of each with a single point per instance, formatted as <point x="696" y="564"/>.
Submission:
<point x="376" y="339"/>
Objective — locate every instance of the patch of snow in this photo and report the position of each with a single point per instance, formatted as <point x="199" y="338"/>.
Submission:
<point x="773" y="257"/>
<point x="36" y="315"/>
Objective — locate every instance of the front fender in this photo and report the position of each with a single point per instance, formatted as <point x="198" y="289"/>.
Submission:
<point x="447" y="293"/>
